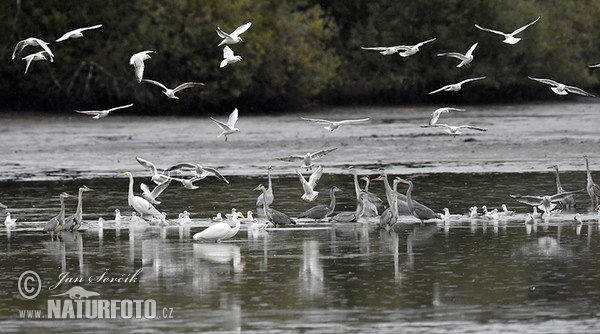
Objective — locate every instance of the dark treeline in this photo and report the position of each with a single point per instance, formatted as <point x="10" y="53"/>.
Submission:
<point x="297" y="54"/>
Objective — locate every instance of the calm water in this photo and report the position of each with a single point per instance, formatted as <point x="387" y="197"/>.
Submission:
<point x="462" y="276"/>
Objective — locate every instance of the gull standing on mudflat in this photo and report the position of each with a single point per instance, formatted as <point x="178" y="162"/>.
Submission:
<point x="199" y="171"/>
<point x="508" y="38"/>
<point x="33" y="42"/>
<point x="234" y="37"/>
<point x="137" y="61"/>
<point x="307" y="159"/>
<point x="332" y="125"/>
<point x="466" y="59"/>
<point x="97" y="114"/>
<point x="407" y="50"/>
<point x="562" y="89"/>
<point x="435" y="115"/>
<point x="170" y="93"/>
<point x="38" y="56"/>
<point x="229" y="57"/>
<point x="229" y="127"/>
<point x="77" y="33"/>
<point x="455" y="87"/>
<point x="453" y="130"/>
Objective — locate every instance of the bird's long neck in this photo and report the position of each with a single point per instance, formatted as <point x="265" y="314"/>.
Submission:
<point x="409" y="200"/>
<point x="61" y="214"/>
<point x="79" y="210"/>
<point x="558" y="185"/>
<point x="265" y="204"/>
<point x="130" y="195"/>
<point x="589" y="175"/>
<point x="356" y="186"/>
<point x="269" y="177"/>
<point x="332" y="203"/>
<point x="236" y="220"/>
<point x="388" y="190"/>
<point x="394" y="206"/>
<point x="367" y="183"/>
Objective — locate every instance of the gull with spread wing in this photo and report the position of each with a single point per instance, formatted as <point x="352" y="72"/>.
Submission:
<point x="97" y="114"/>
<point x="31" y="41"/>
<point x="157" y="177"/>
<point x="158" y="189"/>
<point x="508" y="38"/>
<point x="435" y="115"/>
<point x="465" y="59"/>
<point x="402" y="50"/>
<point x="455" y="87"/>
<point x="137" y="61"/>
<point x="234" y="37"/>
<point x="562" y="89"/>
<point x="38" y="56"/>
<point x="77" y="33"/>
<point x="307" y="159"/>
<point x="453" y="130"/>
<point x="229" y="127"/>
<point x="309" y="186"/>
<point x="199" y="171"/>
<point x="546" y="202"/>
<point x="332" y="125"/>
<point x="170" y="93"/>
<point x="229" y="57"/>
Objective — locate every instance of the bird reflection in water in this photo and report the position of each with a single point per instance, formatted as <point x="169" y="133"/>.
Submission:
<point x="311" y="270"/>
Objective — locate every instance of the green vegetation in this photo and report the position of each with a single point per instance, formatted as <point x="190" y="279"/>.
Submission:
<point x="296" y="54"/>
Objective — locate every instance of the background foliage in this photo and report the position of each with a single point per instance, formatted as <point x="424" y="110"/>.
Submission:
<point x="296" y="54"/>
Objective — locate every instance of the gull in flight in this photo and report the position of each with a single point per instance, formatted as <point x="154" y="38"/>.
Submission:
<point x="402" y="50"/>
<point x="137" y="60"/>
<point x="170" y="93"/>
<point x="157" y="177"/>
<point x="77" y="33"/>
<point x="307" y="159"/>
<point x="199" y="172"/>
<point x="309" y="186"/>
<point x="508" y="38"/>
<point x="152" y="195"/>
<point x="234" y="37"/>
<point x="562" y="89"/>
<point x="435" y="115"/>
<point x="455" y="87"/>
<point x="332" y="125"/>
<point x="597" y="65"/>
<point x="229" y="127"/>
<point x="546" y="203"/>
<point x="41" y="55"/>
<point x="97" y="114"/>
<point x="466" y="59"/>
<point x="453" y="130"/>
<point x="33" y="42"/>
<point x="229" y="57"/>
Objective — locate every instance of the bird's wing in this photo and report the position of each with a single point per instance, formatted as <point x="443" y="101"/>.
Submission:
<point x="91" y="27"/>
<point x="375" y="48"/>
<point x="471" y="79"/>
<point x="221" y="33"/>
<point x="562" y="196"/>
<point x="233" y="117"/>
<point x="346" y="121"/>
<point x="318" y="120"/>
<point x="88" y="112"/>
<point x="453" y="54"/>
<point x="545" y="81"/>
<point x="529" y="200"/>
<point x="187" y="85"/>
<point x="439" y="90"/>
<point x="20" y="45"/>
<point x="146" y="164"/>
<point x="490" y="30"/>
<point x="318" y="154"/>
<point x="292" y="158"/>
<point x="221" y="124"/>
<point x="302" y="180"/>
<point x="471" y="49"/>
<point x="525" y="26"/>
<point x="315" y="177"/>
<point x="471" y="127"/>
<point x="576" y="90"/>
<point x="217" y="174"/>
<point x="596" y="65"/>
<point x="184" y="165"/>
<point x="227" y="52"/>
<point x="425" y="42"/>
<point x="65" y="36"/>
<point x="156" y="83"/>
<point x="121" y="107"/>
<point x="159" y="188"/>
<point x="44" y="46"/>
<point x="241" y="29"/>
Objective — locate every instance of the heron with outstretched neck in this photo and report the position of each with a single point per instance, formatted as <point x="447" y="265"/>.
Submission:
<point x="422" y="212"/>
<point x="568" y="202"/>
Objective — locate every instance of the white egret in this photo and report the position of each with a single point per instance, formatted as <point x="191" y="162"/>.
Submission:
<point x="219" y="231"/>
<point x="139" y="204"/>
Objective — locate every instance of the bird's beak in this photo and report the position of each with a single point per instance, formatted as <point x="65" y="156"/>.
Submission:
<point x="68" y="195"/>
<point x="241" y="216"/>
<point x="256" y="189"/>
<point x="121" y="174"/>
<point x="401" y="180"/>
<point x="379" y="178"/>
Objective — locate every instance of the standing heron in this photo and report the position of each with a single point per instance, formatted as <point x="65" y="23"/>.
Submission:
<point x="321" y="212"/>
<point x="371" y="196"/>
<point x="390" y="216"/>
<point x="420" y="211"/>
<point x="56" y="224"/>
<point x="568" y="202"/>
<point x="592" y="189"/>
<point x="389" y="194"/>
<point x="73" y="222"/>
<point x="268" y="195"/>
<point x="274" y="216"/>
<point x="139" y="204"/>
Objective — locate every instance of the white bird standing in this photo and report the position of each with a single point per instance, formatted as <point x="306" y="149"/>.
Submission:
<point x="562" y="89"/>
<point x="309" y="186"/>
<point x="219" y="231"/>
<point x="119" y="219"/>
<point x="38" y="56"/>
<point x="31" y="41"/>
<point x="455" y="87"/>
<point x="234" y="37"/>
<point x="510" y="37"/>
<point x="465" y="59"/>
<point x="97" y="114"/>
<point x="229" y="127"/>
<point x="139" y="204"/>
<point x="435" y="115"/>
<point x="77" y="33"/>
<point x="402" y="50"/>
<point x="332" y="125"/>
<point x="170" y="93"/>
<point x="151" y="195"/>
<point x="229" y="57"/>
<point x="137" y="61"/>
<point x="453" y="130"/>
<point x="307" y="159"/>
<point x="9" y="222"/>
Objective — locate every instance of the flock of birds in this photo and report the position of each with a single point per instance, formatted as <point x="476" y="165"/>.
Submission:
<point x="368" y="205"/>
